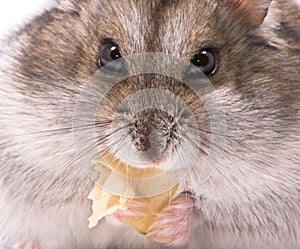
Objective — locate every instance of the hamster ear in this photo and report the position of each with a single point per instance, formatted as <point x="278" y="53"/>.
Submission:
<point x="251" y="12"/>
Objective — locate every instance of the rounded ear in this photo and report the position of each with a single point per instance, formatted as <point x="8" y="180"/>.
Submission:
<point x="251" y="12"/>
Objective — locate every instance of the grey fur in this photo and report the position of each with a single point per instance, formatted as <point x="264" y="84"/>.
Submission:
<point x="252" y="200"/>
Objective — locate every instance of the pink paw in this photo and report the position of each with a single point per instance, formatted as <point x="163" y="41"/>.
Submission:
<point x="134" y="212"/>
<point x="172" y="225"/>
<point x="28" y="245"/>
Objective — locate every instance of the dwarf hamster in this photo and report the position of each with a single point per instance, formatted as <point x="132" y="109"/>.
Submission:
<point x="250" y="52"/>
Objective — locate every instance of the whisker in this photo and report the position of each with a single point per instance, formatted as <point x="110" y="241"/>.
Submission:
<point x="206" y="131"/>
<point x="96" y="143"/>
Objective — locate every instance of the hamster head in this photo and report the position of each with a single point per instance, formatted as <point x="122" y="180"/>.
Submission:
<point x="238" y="46"/>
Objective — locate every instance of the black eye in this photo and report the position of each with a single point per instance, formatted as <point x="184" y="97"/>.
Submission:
<point x="205" y="60"/>
<point x="110" y="53"/>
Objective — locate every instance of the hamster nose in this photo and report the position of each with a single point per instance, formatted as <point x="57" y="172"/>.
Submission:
<point x="149" y="134"/>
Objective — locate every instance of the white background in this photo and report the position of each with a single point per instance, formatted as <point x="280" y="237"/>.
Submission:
<point x="14" y="13"/>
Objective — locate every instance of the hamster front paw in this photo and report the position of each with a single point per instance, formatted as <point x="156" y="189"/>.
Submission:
<point x="172" y="225"/>
<point x="28" y="245"/>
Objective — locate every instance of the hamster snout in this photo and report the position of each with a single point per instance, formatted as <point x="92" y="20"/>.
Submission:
<point x="150" y="131"/>
<point x="153" y="124"/>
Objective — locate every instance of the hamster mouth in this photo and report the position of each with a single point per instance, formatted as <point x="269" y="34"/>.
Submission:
<point x="145" y="139"/>
<point x="151" y="216"/>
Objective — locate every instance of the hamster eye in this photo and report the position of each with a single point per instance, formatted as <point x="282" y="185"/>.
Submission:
<point x="110" y="53"/>
<point x="205" y="60"/>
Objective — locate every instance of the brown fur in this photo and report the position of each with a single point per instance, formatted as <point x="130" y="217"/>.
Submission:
<point x="252" y="200"/>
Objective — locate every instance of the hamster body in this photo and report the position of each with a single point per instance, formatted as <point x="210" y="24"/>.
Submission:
<point x="253" y="198"/>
